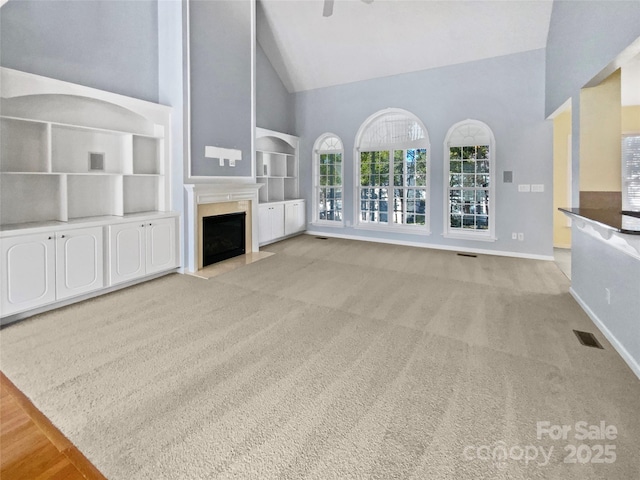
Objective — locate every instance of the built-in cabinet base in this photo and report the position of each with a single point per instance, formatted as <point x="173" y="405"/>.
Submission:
<point x="278" y="220"/>
<point x="44" y="265"/>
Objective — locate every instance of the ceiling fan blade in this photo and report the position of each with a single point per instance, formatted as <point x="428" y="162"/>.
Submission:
<point x="327" y="10"/>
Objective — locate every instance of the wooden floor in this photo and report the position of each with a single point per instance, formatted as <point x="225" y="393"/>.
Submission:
<point x="31" y="448"/>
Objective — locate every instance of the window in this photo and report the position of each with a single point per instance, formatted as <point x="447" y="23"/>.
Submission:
<point x="328" y="180"/>
<point x="469" y="189"/>
<point x="631" y="172"/>
<point x="392" y="172"/>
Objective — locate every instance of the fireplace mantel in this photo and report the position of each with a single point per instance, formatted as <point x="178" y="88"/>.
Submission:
<point x="203" y="193"/>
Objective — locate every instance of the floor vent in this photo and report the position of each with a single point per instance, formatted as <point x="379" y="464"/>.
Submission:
<point x="588" y="339"/>
<point x="322" y="238"/>
<point x="467" y="255"/>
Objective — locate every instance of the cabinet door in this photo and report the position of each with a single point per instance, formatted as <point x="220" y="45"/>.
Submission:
<point x="79" y="262"/>
<point x="294" y="217"/>
<point x="127" y="244"/>
<point x="160" y="245"/>
<point x="301" y="217"/>
<point x="264" y="224"/>
<point x="277" y="221"/>
<point x="28" y="273"/>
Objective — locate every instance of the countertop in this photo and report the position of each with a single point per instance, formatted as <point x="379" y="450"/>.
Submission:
<point x="623" y="222"/>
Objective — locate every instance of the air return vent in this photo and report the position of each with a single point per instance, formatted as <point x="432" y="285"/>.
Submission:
<point x="322" y="238"/>
<point x="467" y="255"/>
<point x="587" y="339"/>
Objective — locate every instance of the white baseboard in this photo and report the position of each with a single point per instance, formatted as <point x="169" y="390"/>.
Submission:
<point x="626" y="356"/>
<point x="481" y="251"/>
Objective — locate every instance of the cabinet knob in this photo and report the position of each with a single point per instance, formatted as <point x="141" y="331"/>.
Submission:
<point x="50" y="238"/>
<point x="142" y="225"/>
<point x="61" y="236"/>
<point x="149" y="224"/>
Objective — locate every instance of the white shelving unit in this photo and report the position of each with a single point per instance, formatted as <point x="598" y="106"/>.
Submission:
<point x="47" y="173"/>
<point x="276" y="165"/>
<point x="76" y="165"/>
<point x="277" y="169"/>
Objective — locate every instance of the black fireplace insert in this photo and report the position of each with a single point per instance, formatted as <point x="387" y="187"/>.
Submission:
<point x="223" y="236"/>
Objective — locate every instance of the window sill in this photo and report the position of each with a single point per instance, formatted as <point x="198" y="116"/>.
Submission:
<point x="471" y="236"/>
<point x="397" y="229"/>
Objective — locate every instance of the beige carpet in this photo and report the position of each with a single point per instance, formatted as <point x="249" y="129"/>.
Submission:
<point x="332" y="359"/>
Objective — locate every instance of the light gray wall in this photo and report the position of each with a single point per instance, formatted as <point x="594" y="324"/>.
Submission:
<point x="274" y="104"/>
<point x="507" y="93"/>
<point x="596" y="266"/>
<point x="221" y="78"/>
<point x="103" y="44"/>
<point x="583" y="38"/>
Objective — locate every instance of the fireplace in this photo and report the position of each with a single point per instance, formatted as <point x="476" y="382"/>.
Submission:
<point x="223" y="236"/>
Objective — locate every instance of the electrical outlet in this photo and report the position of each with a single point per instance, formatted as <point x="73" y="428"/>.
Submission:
<point x="521" y="237"/>
<point x="525" y="187"/>
<point x="607" y="296"/>
<point x="537" y="188"/>
<point x="514" y="236"/>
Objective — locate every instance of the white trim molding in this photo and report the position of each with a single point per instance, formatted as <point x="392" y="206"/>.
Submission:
<point x="481" y="251"/>
<point x="626" y="356"/>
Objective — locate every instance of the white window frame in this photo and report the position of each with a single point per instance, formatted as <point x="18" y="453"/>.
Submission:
<point x="317" y="151"/>
<point x="628" y="183"/>
<point x="470" y="234"/>
<point x="420" y="143"/>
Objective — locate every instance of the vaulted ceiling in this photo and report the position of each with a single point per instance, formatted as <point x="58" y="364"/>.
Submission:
<point x="387" y="37"/>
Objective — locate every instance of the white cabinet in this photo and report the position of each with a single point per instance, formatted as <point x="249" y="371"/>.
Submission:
<point x="141" y="248"/>
<point x="280" y="219"/>
<point x="42" y="268"/>
<point x="28" y="276"/>
<point x="294" y="217"/>
<point x="271" y="222"/>
<point x="79" y="262"/>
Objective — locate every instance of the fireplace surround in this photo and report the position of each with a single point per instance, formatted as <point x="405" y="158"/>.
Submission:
<point x="209" y="199"/>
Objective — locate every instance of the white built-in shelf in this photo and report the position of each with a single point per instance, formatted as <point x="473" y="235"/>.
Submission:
<point x="276" y="165"/>
<point x="67" y="156"/>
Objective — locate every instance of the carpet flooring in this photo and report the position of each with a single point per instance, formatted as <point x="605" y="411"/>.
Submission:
<point x="334" y="359"/>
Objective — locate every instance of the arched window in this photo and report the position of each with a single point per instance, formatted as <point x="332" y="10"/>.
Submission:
<point x="469" y="151"/>
<point x="328" y="170"/>
<point x="391" y="172"/>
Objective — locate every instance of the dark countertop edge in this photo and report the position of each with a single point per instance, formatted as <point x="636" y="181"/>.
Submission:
<point x="613" y="218"/>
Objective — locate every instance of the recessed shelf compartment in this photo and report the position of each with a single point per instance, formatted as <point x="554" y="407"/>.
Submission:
<point x="26" y="198"/>
<point x="146" y="155"/>
<point x="141" y="193"/>
<point x="72" y="149"/>
<point x="23" y="146"/>
<point x="93" y="195"/>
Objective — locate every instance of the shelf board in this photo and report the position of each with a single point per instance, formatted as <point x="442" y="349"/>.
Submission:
<point x="91" y="174"/>
<point x="81" y="127"/>
<point x="30" y="173"/>
<point x="276" y="153"/>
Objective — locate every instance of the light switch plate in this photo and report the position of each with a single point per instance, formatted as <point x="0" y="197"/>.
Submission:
<point x="524" y="187"/>
<point x="537" y="188"/>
